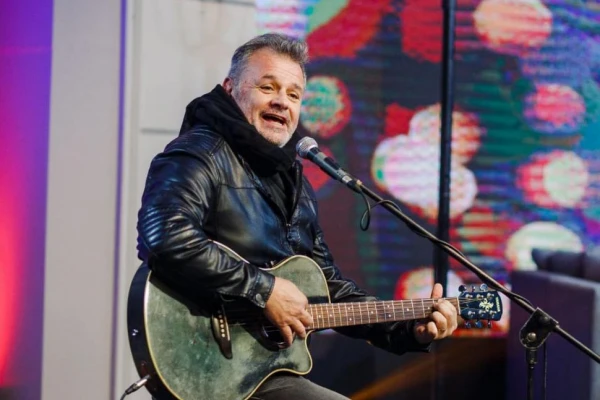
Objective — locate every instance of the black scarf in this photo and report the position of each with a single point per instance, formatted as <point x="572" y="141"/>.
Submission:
<point x="219" y="111"/>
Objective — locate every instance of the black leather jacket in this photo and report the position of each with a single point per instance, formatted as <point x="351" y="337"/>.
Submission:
<point x="198" y="190"/>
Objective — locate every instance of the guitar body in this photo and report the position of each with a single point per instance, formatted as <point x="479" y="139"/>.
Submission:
<point x="175" y="341"/>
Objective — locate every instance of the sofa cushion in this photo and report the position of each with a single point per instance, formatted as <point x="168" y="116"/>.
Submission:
<point x="567" y="263"/>
<point x="541" y="257"/>
<point x="591" y="265"/>
<point x="559" y="261"/>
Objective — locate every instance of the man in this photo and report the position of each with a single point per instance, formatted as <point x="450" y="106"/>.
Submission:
<point x="232" y="177"/>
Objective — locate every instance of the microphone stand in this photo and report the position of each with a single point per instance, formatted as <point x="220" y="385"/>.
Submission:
<point x="441" y="263"/>
<point x="540" y="324"/>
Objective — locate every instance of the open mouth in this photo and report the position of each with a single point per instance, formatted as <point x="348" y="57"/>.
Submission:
<point x="274" y="118"/>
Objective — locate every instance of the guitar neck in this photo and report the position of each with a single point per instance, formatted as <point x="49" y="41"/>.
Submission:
<point x="334" y="315"/>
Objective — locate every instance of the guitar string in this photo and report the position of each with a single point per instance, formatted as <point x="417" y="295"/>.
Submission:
<point x="342" y="313"/>
<point x="341" y="308"/>
<point x="268" y="328"/>
<point x="343" y="317"/>
<point x="334" y="312"/>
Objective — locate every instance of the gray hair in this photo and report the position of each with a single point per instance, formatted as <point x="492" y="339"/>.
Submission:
<point x="296" y="49"/>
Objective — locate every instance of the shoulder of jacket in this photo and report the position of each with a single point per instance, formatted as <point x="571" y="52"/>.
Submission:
<point x="201" y="141"/>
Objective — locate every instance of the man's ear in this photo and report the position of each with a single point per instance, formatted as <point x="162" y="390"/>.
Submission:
<point x="228" y="85"/>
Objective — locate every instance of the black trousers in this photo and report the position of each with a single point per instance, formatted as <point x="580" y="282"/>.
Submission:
<point x="293" y="387"/>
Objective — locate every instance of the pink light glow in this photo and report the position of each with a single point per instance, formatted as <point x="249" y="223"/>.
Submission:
<point x="13" y="217"/>
<point x="25" y="61"/>
<point x="554" y="107"/>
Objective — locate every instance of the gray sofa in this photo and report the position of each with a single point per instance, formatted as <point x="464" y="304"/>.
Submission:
<point x="567" y="286"/>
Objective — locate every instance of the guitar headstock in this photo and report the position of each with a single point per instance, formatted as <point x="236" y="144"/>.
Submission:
<point x="479" y="304"/>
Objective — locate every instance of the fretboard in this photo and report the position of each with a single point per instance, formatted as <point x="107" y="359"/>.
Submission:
<point x="334" y="315"/>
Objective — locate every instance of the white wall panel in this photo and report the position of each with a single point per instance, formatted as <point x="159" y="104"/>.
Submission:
<point x="177" y="50"/>
<point x="82" y="198"/>
<point x="186" y="47"/>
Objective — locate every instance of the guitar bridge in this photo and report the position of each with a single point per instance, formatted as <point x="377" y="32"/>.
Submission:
<point x="220" y="329"/>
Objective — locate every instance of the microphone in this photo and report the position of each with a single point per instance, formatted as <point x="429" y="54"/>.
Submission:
<point x="307" y="148"/>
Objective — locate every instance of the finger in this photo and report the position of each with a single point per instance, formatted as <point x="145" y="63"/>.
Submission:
<point x="425" y="332"/>
<point x="431" y="330"/>
<point x="449" y="312"/>
<point x="440" y="323"/>
<point x="298" y="329"/>
<point x="437" y="291"/>
<point x="286" y="333"/>
<point x="307" y="319"/>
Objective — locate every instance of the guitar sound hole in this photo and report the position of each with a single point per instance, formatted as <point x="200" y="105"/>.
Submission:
<point x="274" y="336"/>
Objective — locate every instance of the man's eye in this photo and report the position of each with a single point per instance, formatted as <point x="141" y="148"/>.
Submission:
<point x="267" y="87"/>
<point x="294" y="96"/>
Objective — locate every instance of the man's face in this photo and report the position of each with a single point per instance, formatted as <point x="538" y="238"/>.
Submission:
<point x="270" y="93"/>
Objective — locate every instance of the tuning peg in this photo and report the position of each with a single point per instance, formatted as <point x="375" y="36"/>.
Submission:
<point x="478" y="324"/>
<point x="489" y="324"/>
<point x="483" y="287"/>
<point x="462" y="288"/>
<point x="467" y="325"/>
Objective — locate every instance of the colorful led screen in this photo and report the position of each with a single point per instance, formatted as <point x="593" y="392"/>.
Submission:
<point x="526" y="130"/>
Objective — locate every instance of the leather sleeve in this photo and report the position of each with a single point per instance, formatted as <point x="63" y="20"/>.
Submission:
<point x="180" y="190"/>
<point x="396" y="337"/>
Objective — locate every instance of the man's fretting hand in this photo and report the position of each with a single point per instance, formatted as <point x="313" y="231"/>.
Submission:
<point x="441" y="323"/>
<point x="286" y="309"/>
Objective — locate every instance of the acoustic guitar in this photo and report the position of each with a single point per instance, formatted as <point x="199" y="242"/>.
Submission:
<point x="198" y="352"/>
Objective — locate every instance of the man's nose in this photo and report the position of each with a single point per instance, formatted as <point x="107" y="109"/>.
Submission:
<point x="281" y="100"/>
